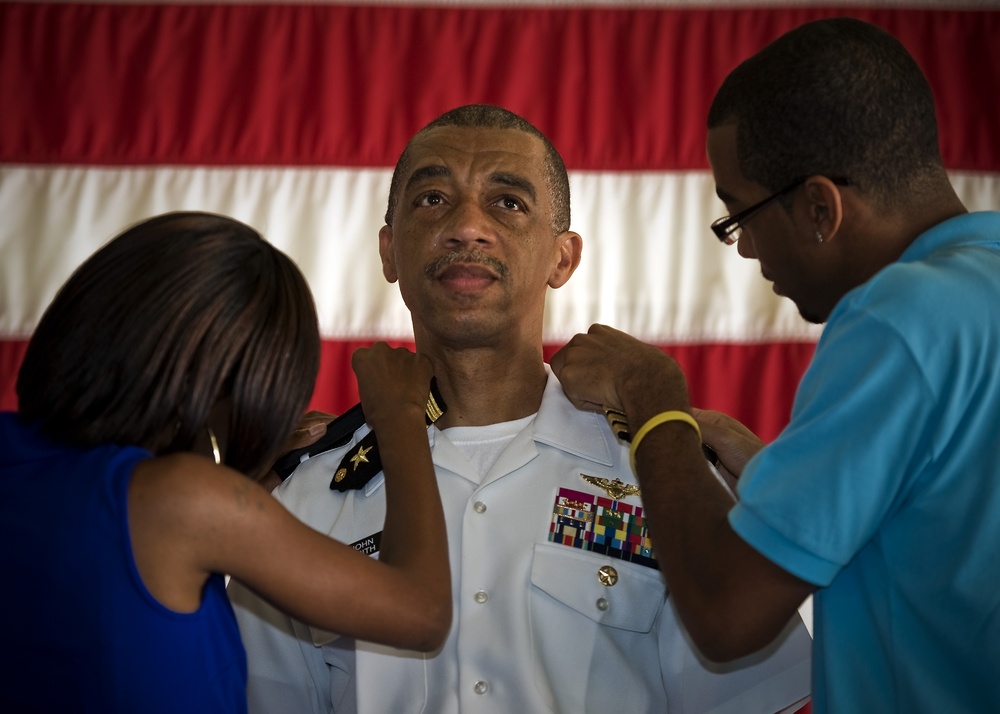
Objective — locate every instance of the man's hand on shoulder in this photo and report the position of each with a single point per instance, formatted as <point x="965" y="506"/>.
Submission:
<point x="732" y="442"/>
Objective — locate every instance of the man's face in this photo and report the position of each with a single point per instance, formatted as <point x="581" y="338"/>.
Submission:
<point x="782" y="242"/>
<point x="472" y="243"/>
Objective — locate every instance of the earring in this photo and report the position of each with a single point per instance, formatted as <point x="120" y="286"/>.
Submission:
<point x="215" y="446"/>
<point x="819" y="237"/>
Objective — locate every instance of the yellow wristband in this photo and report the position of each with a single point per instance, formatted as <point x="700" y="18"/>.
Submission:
<point x="661" y="418"/>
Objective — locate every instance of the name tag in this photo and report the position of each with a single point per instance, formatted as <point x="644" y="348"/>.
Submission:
<point x="369" y="545"/>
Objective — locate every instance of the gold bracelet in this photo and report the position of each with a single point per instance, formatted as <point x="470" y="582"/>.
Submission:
<point x="661" y="418"/>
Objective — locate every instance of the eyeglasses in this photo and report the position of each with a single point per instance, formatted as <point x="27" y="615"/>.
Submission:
<point x="728" y="228"/>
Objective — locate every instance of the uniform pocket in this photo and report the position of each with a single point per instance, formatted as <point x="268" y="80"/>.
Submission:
<point x="575" y="579"/>
<point x="594" y="630"/>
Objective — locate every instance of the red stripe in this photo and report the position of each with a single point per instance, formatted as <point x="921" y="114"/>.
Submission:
<point x="11" y="354"/>
<point x="754" y="383"/>
<point x="615" y="89"/>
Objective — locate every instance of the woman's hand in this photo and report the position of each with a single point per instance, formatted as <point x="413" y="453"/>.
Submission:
<point x="392" y="382"/>
<point x="310" y="428"/>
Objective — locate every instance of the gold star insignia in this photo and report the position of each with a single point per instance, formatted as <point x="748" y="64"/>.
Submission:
<point x="616" y="489"/>
<point x="607" y="576"/>
<point x="360" y="456"/>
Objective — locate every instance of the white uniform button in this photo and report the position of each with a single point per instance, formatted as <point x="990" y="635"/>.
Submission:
<point x="481" y="687"/>
<point x="481" y="597"/>
<point x="602" y="604"/>
<point x="479" y="507"/>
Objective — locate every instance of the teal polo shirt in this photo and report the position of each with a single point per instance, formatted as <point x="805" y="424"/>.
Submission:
<point x="884" y="489"/>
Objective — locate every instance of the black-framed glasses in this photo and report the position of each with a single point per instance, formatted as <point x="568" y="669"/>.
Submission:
<point x="728" y="228"/>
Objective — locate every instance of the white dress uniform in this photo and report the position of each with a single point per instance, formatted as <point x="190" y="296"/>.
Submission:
<point x="543" y="621"/>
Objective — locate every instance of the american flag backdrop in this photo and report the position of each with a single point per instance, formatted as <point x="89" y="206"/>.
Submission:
<point x="290" y="118"/>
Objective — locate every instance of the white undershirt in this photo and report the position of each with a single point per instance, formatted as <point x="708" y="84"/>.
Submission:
<point x="482" y="445"/>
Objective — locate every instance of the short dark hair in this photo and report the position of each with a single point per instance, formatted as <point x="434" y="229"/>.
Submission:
<point x="174" y="314"/>
<point x="836" y="97"/>
<point x="488" y="116"/>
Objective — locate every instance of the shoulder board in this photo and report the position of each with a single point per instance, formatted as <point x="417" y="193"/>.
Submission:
<point x="362" y="462"/>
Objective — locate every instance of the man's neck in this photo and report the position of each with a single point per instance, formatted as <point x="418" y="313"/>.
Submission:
<point x="488" y="385"/>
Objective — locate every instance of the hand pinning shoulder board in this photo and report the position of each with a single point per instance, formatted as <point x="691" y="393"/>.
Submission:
<point x="619" y="425"/>
<point x="360" y="464"/>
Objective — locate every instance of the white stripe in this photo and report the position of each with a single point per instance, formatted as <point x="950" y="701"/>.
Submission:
<point x="650" y="265"/>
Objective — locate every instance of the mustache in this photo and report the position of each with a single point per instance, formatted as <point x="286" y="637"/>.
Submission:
<point x="466" y="257"/>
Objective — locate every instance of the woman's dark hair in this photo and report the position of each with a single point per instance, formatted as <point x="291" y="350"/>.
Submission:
<point x="175" y="314"/>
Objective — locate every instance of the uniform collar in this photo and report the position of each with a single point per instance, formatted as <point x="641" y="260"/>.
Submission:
<point x="561" y="425"/>
<point x="582" y="433"/>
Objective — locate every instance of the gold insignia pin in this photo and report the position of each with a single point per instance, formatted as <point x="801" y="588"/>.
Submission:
<point x="618" y="422"/>
<point x="433" y="410"/>
<point x="607" y="575"/>
<point x="340" y="475"/>
<point x="616" y="489"/>
<point x="360" y="456"/>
